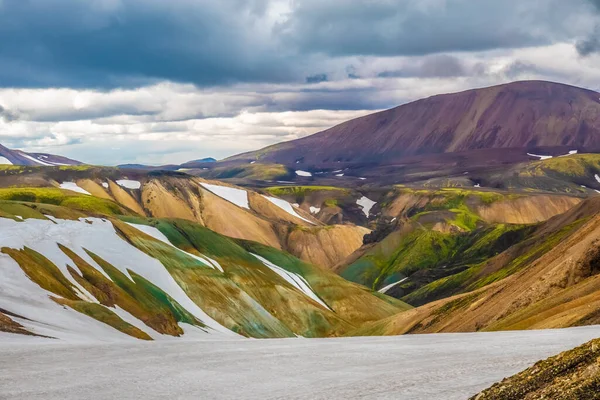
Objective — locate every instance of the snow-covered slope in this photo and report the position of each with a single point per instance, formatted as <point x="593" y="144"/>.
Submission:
<point x="105" y="279"/>
<point x="19" y="157"/>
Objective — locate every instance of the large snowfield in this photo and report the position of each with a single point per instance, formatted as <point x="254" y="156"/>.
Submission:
<point x="440" y="366"/>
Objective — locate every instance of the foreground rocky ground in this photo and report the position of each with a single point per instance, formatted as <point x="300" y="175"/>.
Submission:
<point x="437" y="366"/>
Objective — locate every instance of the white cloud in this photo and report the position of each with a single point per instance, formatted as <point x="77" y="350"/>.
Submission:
<point x="171" y="123"/>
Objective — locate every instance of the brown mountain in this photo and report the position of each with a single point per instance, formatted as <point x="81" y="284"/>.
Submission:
<point x="529" y="115"/>
<point x="18" y="157"/>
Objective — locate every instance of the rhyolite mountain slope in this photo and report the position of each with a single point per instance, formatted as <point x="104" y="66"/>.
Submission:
<point x="229" y="210"/>
<point x="527" y="114"/>
<point x="77" y="267"/>
<point x="18" y="157"/>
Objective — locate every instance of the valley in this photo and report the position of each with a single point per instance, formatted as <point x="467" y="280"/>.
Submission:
<point x="472" y="230"/>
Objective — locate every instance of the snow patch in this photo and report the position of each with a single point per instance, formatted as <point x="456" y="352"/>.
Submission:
<point x="539" y="156"/>
<point x="315" y="210"/>
<point x="5" y="161"/>
<point x="303" y="173"/>
<point x="287" y="207"/>
<point x="388" y="287"/>
<point x="477" y="185"/>
<point x="72" y="186"/>
<point x="238" y="197"/>
<point x="129" y="184"/>
<point x="105" y="185"/>
<point x="295" y="280"/>
<point x="597" y="177"/>
<point x="362" y="179"/>
<point x="252" y="162"/>
<point x="570" y="153"/>
<point x="158" y="235"/>
<point x="339" y="174"/>
<point x="366" y="204"/>
<point x="35" y="160"/>
<point x="96" y="235"/>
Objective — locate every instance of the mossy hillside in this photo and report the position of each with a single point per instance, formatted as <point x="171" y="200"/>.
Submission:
<point x="577" y="165"/>
<point x="64" y="198"/>
<point x="248" y="298"/>
<point x="355" y="303"/>
<point x="139" y="297"/>
<point x="44" y="273"/>
<point x="528" y="247"/>
<point x="419" y="249"/>
<point x="249" y="171"/>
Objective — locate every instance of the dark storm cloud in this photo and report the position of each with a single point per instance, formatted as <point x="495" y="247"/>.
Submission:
<point x="590" y="44"/>
<point x="399" y="27"/>
<point x="107" y="43"/>
<point x="317" y="78"/>
<point x="112" y="43"/>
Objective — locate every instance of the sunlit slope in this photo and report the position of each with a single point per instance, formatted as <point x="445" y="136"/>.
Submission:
<point x="75" y="277"/>
<point x="229" y="210"/>
<point x="550" y="280"/>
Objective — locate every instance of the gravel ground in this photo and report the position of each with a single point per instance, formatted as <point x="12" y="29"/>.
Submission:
<point x="443" y="366"/>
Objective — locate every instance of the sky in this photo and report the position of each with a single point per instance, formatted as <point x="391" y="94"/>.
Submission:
<point x="158" y="82"/>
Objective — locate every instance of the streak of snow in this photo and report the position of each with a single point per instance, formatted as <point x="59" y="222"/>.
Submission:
<point x="539" y="156"/>
<point x="287" y="207"/>
<point x="478" y="185"/>
<point x="105" y="185"/>
<point x="252" y="162"/>
<point x="72" y="186"/>
<point x="570" y="153"/>
<point x="129" y="184"/>
<point x="366" y="205"/>
<point x="597" y="177"/>
<point x="35" y="160"/>
<point x="362" y="179"/>
<point x="295" y="280"/>
<point x="388" y="287"/>
<point x="315" y="210"/>
<point x="5" y="161"/>
<point x="339" y="174"/>
<point x="158" y="235"/>
<point x="238" y="197"/>
<point x="303" y="173"/>
<point x="98" y="236"/>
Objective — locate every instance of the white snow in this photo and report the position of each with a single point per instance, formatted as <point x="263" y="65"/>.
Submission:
<point x="287" y="207"/>
<point x="18" y="217"/>
<point x="388" y="287"/>
<point x="35" y="160"/>
<point x="252" y="162"/>
<point x="477" y="185"/>
<point x="296" y="205"/>
<point x="238" y="197"/>
<point x="105" y="185"/>
<point x="570" y="153"/>
<point x="539" y="156"/>
<point x="95" y="235"/>
<point x="5" y="161"/>
<point x="366" y="205"/>
<point x="295" y="280"/>
<point x="339" y="174"/>
<point x="303" y="173"/>
<point x="72" y="186"/>
<point x="337" y="170"/>
<point x="129" y="184"/>
<point x="315" y="210"/>
<point x="597" y="177"/>
<point x="415" y="367"/>
<point x="362" y="179"/>
<point x="158" y="235"/>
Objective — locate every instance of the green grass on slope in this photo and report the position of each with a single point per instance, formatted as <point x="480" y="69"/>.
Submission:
<point x="248" y="298"/>
<point x="353" y="302"/>
<point x="418" y="250"/>
<point x="65" y="198"/>
<point x="249" y="171"/>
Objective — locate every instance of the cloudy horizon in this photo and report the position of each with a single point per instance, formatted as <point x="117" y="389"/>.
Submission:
<point x="131" y="81"/>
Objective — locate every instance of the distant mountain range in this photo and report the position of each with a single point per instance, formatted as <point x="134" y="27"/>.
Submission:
<point x="18" y="157"/>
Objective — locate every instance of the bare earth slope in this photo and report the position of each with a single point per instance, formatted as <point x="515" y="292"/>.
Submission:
<point x="525" y="114"/>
